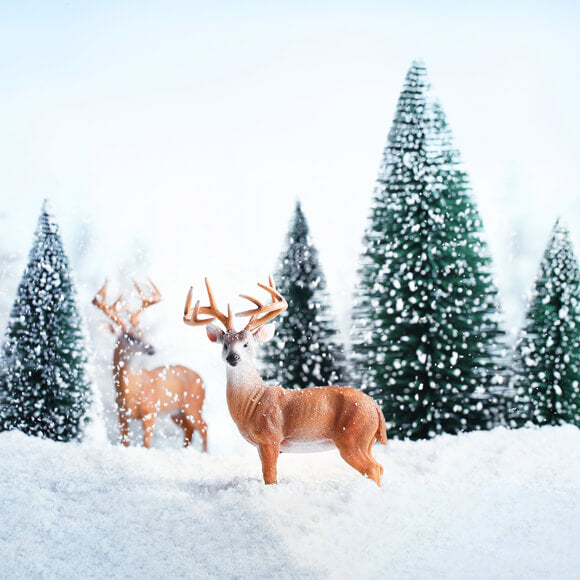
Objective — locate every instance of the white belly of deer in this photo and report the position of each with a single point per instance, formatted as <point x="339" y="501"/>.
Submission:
<point x="307" y="446"/>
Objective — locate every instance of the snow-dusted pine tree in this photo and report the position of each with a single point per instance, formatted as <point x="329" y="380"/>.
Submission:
<point x="305" y="351"/>
<point x="546" y="364"/>
<point x="44" y="387"/>
<point x="425" y="320"/>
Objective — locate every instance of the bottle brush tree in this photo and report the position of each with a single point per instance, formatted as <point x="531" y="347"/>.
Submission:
<point x="425" y="320"/>
<point x="546" y="362"/>
<point x="44" y="387"/>
<point x="305" y="351"/>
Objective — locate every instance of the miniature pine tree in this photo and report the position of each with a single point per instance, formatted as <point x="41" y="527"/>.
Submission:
<point x="546" y="363"/>
<point x="425" y="332"/>
<point x="305" y="351"/>
<point x="44" y="386"/>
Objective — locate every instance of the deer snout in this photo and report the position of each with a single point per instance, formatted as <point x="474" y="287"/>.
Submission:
<point x="233" y="359"/>
<point x="149" y="349"/>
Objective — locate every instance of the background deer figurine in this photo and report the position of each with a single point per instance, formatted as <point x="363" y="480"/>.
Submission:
<point x="141" y="393"/>
<point x="276" y="419"/>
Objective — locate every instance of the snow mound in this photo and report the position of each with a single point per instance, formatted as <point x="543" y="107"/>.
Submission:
<point x="481" y="505"/>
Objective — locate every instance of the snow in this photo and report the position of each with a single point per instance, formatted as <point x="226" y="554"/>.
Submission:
<point x="499" y="504"/>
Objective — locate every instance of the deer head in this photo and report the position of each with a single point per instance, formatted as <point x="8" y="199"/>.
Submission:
<point x="130" y="336"/>
<point x="238" y="348"/>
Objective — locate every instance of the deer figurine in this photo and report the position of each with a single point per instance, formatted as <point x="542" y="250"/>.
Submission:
<point x="275" y="419"/>
<point x="141" y="393"/>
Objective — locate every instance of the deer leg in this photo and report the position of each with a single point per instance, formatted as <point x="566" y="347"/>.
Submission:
<point x="188" y="428"/>
<point x="364" y="464"/>
<point x="124" y="427"/>
<point x="201" y="427"/>
<point x="269" y="458"/>
<point x="148" y="426"/>
<point x="203" y="432"/>
<point x="181" y="420"/>
<point x="178" y="419"/>
<point x="370" y="454"/>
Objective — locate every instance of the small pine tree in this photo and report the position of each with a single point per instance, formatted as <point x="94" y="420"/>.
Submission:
<point x="44" y="387"/>
<point x="546" y="362"/>
<point x="304" y="351"/>
<point x="425" y="331"/>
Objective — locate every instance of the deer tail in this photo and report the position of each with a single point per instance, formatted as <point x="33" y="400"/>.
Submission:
<point x="381" y="434"/>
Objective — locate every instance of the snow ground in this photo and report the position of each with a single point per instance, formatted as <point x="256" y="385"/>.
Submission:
<point x="482" y="505"/>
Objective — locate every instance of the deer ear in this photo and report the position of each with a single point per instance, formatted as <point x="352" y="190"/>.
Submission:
<point x="264" y="333"/>
<point x="214" y="333"/>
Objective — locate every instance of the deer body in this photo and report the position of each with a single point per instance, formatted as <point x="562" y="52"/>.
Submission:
<point x="275" y="419"/>
<point x="143" y="394"/>
<point x="304" y="421"/>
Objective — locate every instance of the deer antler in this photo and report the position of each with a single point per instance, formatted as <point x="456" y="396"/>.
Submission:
<point x="146" y="301"/>
<point x="191" y="314"/>
<point x="112" y="310"/>
<point x="264" y="312"/>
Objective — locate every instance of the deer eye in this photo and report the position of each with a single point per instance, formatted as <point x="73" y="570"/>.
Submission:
<point x="245" y="345"/>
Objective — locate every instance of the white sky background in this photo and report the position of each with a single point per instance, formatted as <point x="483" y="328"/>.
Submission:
<point x="190" y="129"/>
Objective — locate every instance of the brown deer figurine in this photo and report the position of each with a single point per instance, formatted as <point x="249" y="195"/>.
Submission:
<point x="141" y="393"/>
<point x="275" y="419"/>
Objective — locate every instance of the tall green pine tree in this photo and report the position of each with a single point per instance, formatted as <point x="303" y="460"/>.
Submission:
<point x="425" y="320"/>
<point x="44" y="388"/>
<point x="305" y="351"/>
<point x="546" y="363"/>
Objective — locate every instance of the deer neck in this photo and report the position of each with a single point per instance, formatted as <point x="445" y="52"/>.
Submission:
<point x="243" y="379"/>
<point x="122" y="357"/>
<point x="243" y="385"/>
<point x="244" y="392"/>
